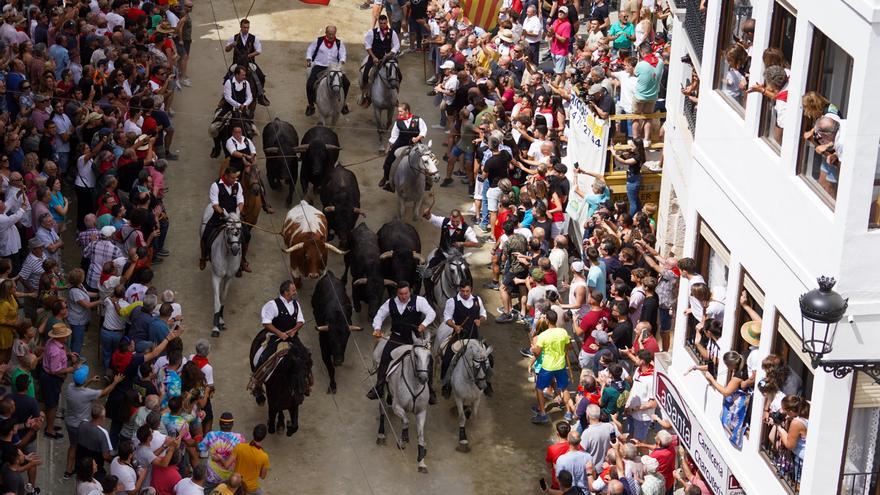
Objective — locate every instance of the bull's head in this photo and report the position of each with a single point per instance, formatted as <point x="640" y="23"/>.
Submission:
<point x="339" y="331"/>
<point x="309" y="256"/>
<point x="371" y="291"/>
<point x="344" y="219"/>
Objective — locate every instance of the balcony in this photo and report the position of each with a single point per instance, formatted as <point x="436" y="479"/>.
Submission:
<point x="859" y="483"/>
<point x="785" y="464"/>
<point x="694" y="24"/>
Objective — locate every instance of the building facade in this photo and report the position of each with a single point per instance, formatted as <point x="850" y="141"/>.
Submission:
<point x="750" y="193"/>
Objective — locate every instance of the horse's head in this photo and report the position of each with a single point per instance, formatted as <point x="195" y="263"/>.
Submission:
<point x="232" y="233"/>
<point x="296" y="367"/>
<point x="421" y="358"/>
<point x="477" y="357"/>
<point x="457" y="269"/>
<point x="390" y="71"/>
<point x="425" y="161"/>
<point x="334" y="78"/>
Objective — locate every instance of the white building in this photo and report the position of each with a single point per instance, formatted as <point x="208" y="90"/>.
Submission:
<point x="742" y="195"/>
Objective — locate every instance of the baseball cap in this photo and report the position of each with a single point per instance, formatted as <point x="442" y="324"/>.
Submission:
<point x="81" y="375"/>
<point x="595" y="89"/>
<point x="577" y="267"/>
<point x="108" y="231"/>
<point x="449" y="64"/>
<point x="564" y="10"/>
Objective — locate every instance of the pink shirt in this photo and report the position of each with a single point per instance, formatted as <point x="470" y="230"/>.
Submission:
<point x="54" y="357"/>
<point x="561" y="27"/>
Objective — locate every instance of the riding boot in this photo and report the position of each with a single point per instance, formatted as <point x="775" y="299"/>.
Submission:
<point x="376" y="391"/>
<point x="446" y="390"/>
<point x="488" y="391"/>
<point x="432" y="396"/>
<point x="215" y="151"/>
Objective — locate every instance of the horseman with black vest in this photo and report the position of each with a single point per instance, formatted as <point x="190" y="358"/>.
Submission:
<point x="410" y="316"/>
<point x="245" y="47"/>
<point x="464" y="314"/>
<point x="237" y="95"/>
<point x="282" y="318"/>
<point x="323" y="52"/>
<point x="455" y="233"/>
<point x="226" y="197"/>
<point x="379" y="42"/>
<point x="407" y="130"/>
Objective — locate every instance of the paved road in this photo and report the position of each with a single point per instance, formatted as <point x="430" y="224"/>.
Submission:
<point x="334" y="450"/>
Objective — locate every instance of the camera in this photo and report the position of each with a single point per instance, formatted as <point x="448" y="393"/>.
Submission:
<point x="687" y="59"/>
<point x="777" y="417"/>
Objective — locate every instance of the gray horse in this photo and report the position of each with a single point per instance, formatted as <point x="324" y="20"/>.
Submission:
<point x="225" y="261"/>
<point x="416" y="164"/>
<point x="329" y="95"/>
<point x="383" y="94"/>
<point x="446" y="277"/>
<point x="408" y="386"/>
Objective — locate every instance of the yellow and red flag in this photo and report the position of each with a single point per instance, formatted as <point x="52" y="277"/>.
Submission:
<point x="483" y="13"/>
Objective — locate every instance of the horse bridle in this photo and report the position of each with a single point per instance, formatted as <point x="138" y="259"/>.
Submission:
<point x="420" y="168"/>
<point x="229" y="228"/>
<point x="334" y="78"/>
<point x="391" y="66"/>
<point x="416" y="370"/>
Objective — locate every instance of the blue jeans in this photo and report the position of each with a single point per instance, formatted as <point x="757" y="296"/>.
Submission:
<point x="633" y="184"/>
<point x="79" y="335"/>
<point x="484" y="211"/>
<point x="109" y="343"/>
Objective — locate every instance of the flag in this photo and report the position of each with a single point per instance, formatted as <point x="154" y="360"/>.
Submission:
<point x="483" y="13"/>
<point x="316" y="2"/>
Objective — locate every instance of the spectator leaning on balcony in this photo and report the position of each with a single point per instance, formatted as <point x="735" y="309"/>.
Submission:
<point x="794" y="438"/>
<point x="817" y="106"/>
<point x="828" y="134"/>
<point x="775" y="88"/>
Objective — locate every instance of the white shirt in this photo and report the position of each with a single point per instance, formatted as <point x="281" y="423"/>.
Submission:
<point x="450" y="85"/>
<point x="214" y="194"/>
<point x="395" y="132"/>
<point x="469" y="234"/>
<point x="172" y="18"/>
<point x="533" y="25"/>
<point x="695" y="305"/>
<point x="10" y="242"/>
<point x="395" y="41"/>
<point x="422" y="306"/>
<point x="258" y="47"/>
<point x="641" y="393"/>
<point x="133" y="127"/>
<point x="208" y="371"/>
<point x="449" y="309"/>
<point x="233" y="144"/>
<point x="135" y="293"/>
<point x="326" y="56"/>
<point x="627" y="88"/>
<point x="112" y="319"/>
<point x="227" y="92"/>
<point x="753" y="361"/>
<point x="126" y="474"/>
<point x="187" y="487"/>
<point x="85" y="176"/>
<point x="113" y="20"/>
<point x="270" y="310"/>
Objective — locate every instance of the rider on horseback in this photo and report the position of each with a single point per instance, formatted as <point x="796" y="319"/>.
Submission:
<point x="454" y="234"/>
<point x="226" y="197"/>
<point x="410" y="315"/>
<point x="320" y="54"/>
<point x="245" y="47"/>
<point x="237" y="97"/>
<point x="282" y="318"/>
<point x="464" y="314"/>
<point x="407" y="130"/>
<point x="378" y="42"/>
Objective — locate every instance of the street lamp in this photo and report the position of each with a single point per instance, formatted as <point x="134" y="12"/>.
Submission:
<point x="821" y="310"/>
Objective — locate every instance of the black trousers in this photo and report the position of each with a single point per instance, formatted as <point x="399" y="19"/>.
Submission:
<point x="389" y="158"/>
<point x="213" y="224"/>
<point x="365" y="75"/>
<point x="311" y="87"/>
<point x="384" y="361"/>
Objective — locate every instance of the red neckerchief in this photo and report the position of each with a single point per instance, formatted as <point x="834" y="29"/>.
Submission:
<point x="647" y="372"/>
<point x="651" y="59"/>
<point x="782" y="95"/>
<point x="228" y="184"/>
<point x="405" y="117"/>
<point x="384" y="33"/>
<point x="200" y="361"/>
<point x="255" y="445"/>
<point x="328" y="43"/>
<point x="104" y="277"/>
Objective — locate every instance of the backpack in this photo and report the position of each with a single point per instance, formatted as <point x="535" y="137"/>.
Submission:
<point x="623" y="395"/>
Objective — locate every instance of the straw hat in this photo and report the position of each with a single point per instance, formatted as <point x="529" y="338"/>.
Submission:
<point x="59" y="331"/>
<point x="751" y="332"/>
<point x="164" y="27"/>
<point x="506" y="35"/>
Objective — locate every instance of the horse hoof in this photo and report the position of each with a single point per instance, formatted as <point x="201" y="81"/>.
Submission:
<point x="215" y="332"/>
<point x="270" y="428"/>
<point x="463" y="448"/>
<point x="261" y="399"/>
<point x="381" y="440"/>
<point x="401" y="445"/>
<point x="423" y="469"/>
<point x="331" y="390"/>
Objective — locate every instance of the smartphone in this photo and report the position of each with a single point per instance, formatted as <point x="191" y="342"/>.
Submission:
<point x="543" y="484"/>
<point x="613" y="437"/>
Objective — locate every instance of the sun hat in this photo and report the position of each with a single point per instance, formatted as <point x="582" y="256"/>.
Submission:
<point x="59" y="331"/>
<point x="506" y="35"/>
<point x="751" y="332"/>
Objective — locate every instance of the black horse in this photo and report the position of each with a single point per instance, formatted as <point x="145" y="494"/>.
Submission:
<point x="221" y="128"/>
<point x="289" y="384"/>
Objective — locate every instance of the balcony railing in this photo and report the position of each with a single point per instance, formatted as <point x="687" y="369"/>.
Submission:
<point x="859" y="483"/>
<point x="786" y="465"/>
<point x="694" y="25"/>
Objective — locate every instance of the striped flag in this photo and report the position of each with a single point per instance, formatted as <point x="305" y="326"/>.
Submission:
<point x="316" y="2"/>
<point x="483" y="13"/>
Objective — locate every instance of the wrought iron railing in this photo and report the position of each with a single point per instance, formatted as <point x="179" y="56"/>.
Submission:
<point x="786" y="465"/>
<point x="859" y="483"/>
<point x="694" y="25"/>
<point x="690" y="113"/>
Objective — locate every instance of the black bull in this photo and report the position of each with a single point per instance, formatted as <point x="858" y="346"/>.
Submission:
<point x="401" y="246"/>
<point x="332" y="309"/>
<point x="341" y="198"/>
<point x="279" y="145"/>
<point x="362" y="260"/>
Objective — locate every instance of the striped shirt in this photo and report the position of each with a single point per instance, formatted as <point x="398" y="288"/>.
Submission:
<point x="32" y="270"/>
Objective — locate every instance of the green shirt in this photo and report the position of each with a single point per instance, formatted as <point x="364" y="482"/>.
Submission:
<point x="553" y="342"/>
<point x="466" y="141"/>
<point x="18" y="372"/>
<point x="622" y="42"/>
<point x="610" y="395"/>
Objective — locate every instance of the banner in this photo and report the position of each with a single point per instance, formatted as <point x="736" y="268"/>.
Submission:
<point x="483" y="13"/>
<point x="316" y="2"/>
<point x="587" y="137"/>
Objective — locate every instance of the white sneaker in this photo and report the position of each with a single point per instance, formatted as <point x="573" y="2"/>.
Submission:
<point x="653" y="166"/>
<point x="647" y="144"/>
<point x="186" y="82"/>
<point x="437" y="126"/>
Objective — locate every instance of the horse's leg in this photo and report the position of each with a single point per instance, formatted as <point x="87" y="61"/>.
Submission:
<point x="270" y="425"/>
<point x="224" y="291"/>
<point x="401" y="205"/>
<point x="417" y="207"/>
<point x="380" y="438"/>
<point x="377" y="116"/>
<point x="331" y="370"/>
<point x="462" y="421"/>
<point x="420" y="428"/>
<point x="293" y="424"/>
<point x="289" y="200"/>
<point x="215" y="284"/>
<point x="404" y="419"/>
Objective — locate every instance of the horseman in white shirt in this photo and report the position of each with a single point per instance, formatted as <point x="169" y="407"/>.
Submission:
<point x="245" y="48"/>
<point x="321" y="54"/>
<point x="226" y="196"/>
<point x="407" y="130"/>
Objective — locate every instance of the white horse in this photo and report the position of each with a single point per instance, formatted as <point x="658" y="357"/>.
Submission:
<point x="383" y="94"/>
<point x="225" y="260"/>
<point x="416" y="165"/>
<point x="329" y="95"/>
<point x="469" y="378"/>
<point x="408" y="385"/>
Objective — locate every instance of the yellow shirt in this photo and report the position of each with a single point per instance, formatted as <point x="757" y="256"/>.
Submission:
<point x="126" y="311"/>
<point x="249" y="462"/>
<point x="552" y="343"/>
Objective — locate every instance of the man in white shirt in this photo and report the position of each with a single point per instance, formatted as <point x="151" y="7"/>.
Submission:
<point x="464" y="314"/>
<point x="10" y="241"/>
<point x="226" y="196"/>
<point x="410" y="316"/>
<point x="533" y="32"/>
<point x="378" y="42"/>
<point x="194" y="485"/>
<point x="237" y="91"/>
<point x="407" y="130"/>
<point x="245" y="48"/>
<point x="322" y="53"/>
<point x="282" y="318"/>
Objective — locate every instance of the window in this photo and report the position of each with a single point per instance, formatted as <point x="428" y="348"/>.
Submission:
<point x="874" y="213"/>
<point x="861" y="464"/>
<point x="785" y="462"/>
<point x="778" y="54"/>
<point x="754" y="301"/>
<point x="735" y="37"/>
<point x="827" y="94"/>
<point x="713" y="261"/>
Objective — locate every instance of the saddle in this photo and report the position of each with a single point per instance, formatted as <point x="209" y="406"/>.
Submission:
<point x="397" y="356"/>
<point x="265" y="370"/>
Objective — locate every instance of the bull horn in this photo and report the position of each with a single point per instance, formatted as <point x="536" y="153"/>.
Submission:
<point x="322" y="328"/>
<point x="329" y="209"/>
<point x="360" y="281"/>
<point x="301" y="148"/>
<point x="271" y="150"/>
<point x="293" y="248"/>
<point x="335" y="249"/>
<point x="332" y="147"/>
<point x="386" y="255"/>
<point x="392" y="283"/>
<point x="417" y="255"/>
<point x="354" y="328"/>
<point x="358" y="211"/>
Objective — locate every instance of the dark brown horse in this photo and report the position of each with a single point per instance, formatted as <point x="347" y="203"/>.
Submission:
<point x="288" y="385"/>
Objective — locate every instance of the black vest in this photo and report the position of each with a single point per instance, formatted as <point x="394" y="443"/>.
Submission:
<point x="403" y="325"/>
<point x="381" y="47"/>
<point x="472" y="314"/>
<point x="447" y="239"/>
<point x="228" y="201"/>
<point x="241" y="50"/>
<point x="285" y="321"/>
<point x="406" y="134"/>
<point x="239" y="95"/>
